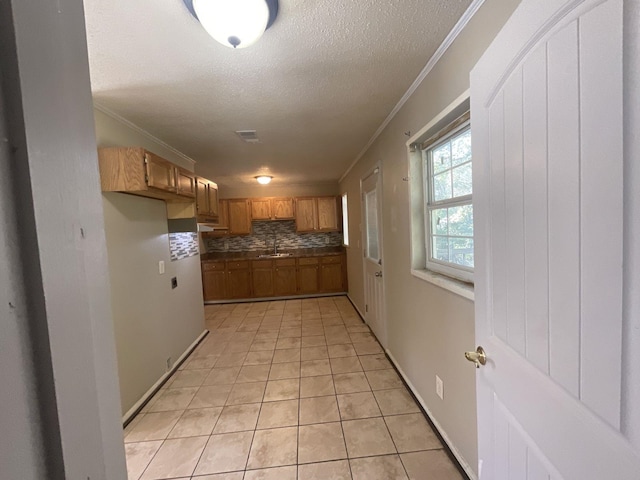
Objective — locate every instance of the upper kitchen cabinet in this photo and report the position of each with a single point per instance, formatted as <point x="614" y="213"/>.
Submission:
<point x="239" y="221"/>
<point x="137" y="171"/>
<point x="317" y="214"/>
<point x="272" y="209"/>
<point x="207" y="205"/>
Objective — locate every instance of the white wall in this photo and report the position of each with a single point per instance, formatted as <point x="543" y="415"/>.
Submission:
<point x="152" y="321"/>
<point x="428" y="328"/>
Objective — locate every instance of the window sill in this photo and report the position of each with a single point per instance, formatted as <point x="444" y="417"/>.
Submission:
<point x="456" y="286"/>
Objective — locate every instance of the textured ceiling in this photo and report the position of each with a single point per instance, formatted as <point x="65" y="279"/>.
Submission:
<point x="316" y="86"/>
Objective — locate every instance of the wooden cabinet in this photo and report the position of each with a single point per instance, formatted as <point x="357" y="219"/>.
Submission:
<point x="272" y="209"/>
<point x="332" y="274"/>
<point x="282" y="209"/>
<point x="260" y="209"/>
<point x="262" y="272"/>
<point x="306" y="215"/>
<point x="185" y="183"/>
<point x="206" y="200"/>
<point x="214" y="281"/>
<point x="264" y="278"/>
<point x="328" y="217"/>
<point x="239" y="216"/>
<point x="238" y="279"/>
<point x="285" y="277"/>
<point x="317" y="214"/>
<point x="137" y="171"/>
<point x="308" y="275"/>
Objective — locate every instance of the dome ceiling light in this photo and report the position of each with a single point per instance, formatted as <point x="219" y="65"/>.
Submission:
<point x="234" y="23"/>
<point x="264" y="179"/>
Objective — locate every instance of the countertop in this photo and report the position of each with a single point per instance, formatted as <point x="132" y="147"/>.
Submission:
<point x="300" y="252"/>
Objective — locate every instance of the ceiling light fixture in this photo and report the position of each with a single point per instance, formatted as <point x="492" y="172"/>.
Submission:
<point x="264" y="179"/>
<point x="234" y="23"/>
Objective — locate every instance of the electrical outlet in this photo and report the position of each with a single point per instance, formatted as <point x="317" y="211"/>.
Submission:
<point x="327" y="240"/>
<point x="439" y="387"/>
<point x="174" y="282"/>
<point x="161" y="267"/>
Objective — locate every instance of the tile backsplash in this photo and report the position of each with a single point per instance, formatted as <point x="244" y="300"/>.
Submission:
<point x="263" y="234"/>
<point x="183" y="245"/>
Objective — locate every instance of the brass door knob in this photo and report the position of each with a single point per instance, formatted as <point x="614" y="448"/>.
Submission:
<point x="478" y="357"/>
<point x="378" y="274"/>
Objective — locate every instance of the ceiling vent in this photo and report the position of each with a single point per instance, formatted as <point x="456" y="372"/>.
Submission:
<point x="249" y="136"/>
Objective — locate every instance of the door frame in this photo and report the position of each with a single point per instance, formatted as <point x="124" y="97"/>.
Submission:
<point x="376" y="169"/>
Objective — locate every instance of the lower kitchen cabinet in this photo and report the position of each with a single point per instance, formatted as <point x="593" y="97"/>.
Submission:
<point x="238" y="279"/>
<point x="285" y="277"/>
<point x="308" y="277"/>
<point x="331" y="274"/>
<point x="264" y="278"/>
<point x="262" y="273"/>
<point x="214" y="281"/>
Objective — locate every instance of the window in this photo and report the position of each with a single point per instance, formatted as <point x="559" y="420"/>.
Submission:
<point x="345" y="221"/>
<point x="448" y="201"/>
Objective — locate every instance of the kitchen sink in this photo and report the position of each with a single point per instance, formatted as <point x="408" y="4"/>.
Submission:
<point x="274" y="255"/>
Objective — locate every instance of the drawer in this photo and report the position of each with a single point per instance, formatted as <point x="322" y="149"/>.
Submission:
<point x="238" y="265"/>
<point x="332" y="259"/>
<point x="262" y="264"/>
<point x="209" y="266"/>
<point x="308" y="261"/>
<point x="286" y="262"/>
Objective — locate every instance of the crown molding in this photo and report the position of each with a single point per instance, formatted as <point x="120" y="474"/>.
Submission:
<point x="142" y="131"/>
<point x="444" y="46"/>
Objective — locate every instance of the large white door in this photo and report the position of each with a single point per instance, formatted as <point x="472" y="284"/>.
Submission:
<point x="547" y="126"/>
<point x="372" y="242"/>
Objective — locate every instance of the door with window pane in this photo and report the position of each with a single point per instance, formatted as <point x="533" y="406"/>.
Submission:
<point x="372" y="246"/>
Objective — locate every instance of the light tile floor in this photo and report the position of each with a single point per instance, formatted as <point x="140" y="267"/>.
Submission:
<point x="285" y="390"/>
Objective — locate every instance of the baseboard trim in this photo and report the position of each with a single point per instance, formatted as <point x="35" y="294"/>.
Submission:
<point x="445" y="438"/>
<point x="139" y="405"/>
<point x="273" y="299"/>
<point x="353" y="304"/>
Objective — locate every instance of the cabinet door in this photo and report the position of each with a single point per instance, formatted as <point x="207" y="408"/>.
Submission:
<point x="285" y="280"/>
<point x="239" y="283"/>
<point x="308" y="279"/>
<point x="260" y="209"/>
<point x="306" y="215"/>
<point x="202" y="196"/>
<point x="160" y="173"/>
<point x="262" y="274"/>
<point x="328" y="214"/>
<point x="213" y="200"/>
<point x="214" y="284"/>
<point x="214" y="281"/>
<point x="331" y="278"/>
<point x="223" y="213"/>
<point x="282" y="208"/>
<point x="239" y="217"/>
<point x="185" y="183"/>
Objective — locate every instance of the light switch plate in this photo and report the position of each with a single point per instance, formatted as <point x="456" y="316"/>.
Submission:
<point x="161" y="267"/>
<point x="439" y="387"/>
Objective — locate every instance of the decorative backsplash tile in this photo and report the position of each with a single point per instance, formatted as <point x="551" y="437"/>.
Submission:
<point x="183" y="245"/>
<point x="264" y="233"/>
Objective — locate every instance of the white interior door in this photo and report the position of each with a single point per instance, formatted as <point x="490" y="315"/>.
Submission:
<point x="372" y="242"/>
<point x="547" y="126"/>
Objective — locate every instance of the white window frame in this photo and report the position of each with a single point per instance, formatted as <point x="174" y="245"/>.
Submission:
<point x="450" y="269"/>
<point x="345" y="220"/>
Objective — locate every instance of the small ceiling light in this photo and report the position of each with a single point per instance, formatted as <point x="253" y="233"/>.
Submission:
<point x="264" y="179"/>
<point x="234" y="23"/>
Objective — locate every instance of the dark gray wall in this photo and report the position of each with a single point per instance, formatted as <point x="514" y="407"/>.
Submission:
<point x="60" y="408"/>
